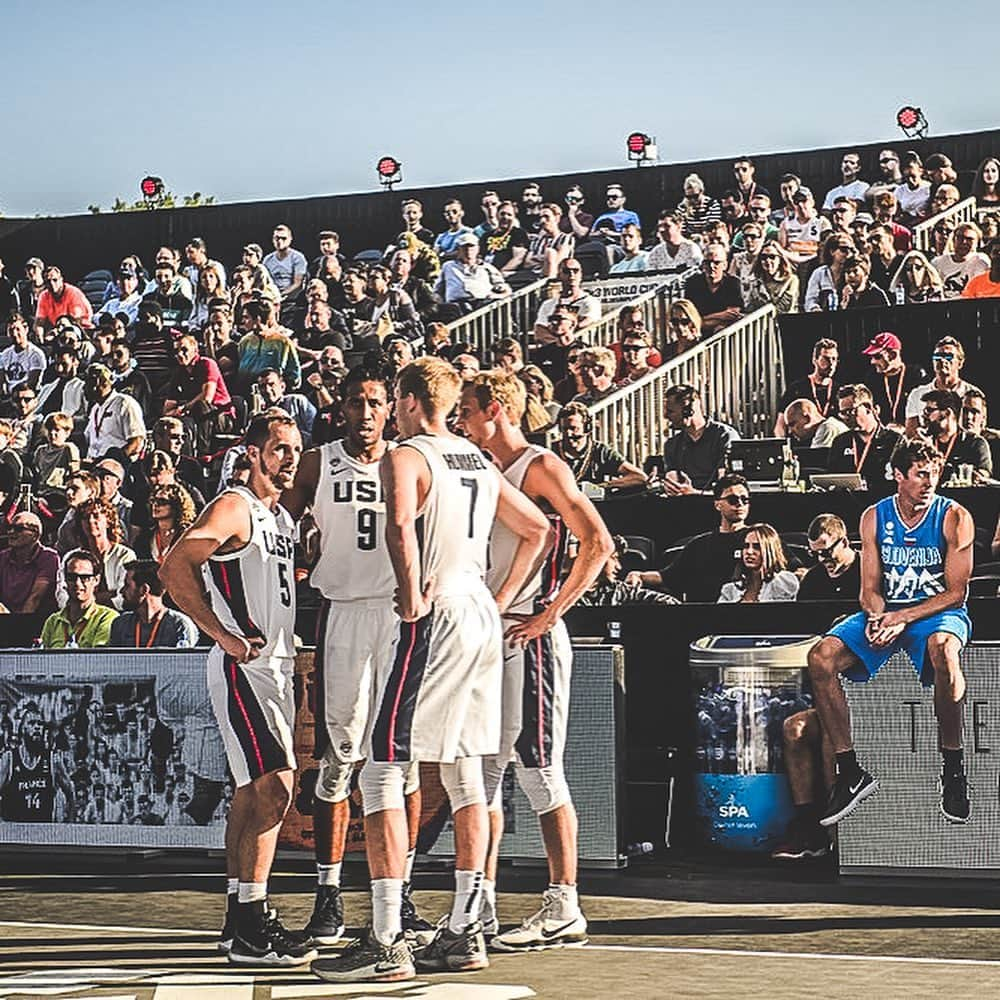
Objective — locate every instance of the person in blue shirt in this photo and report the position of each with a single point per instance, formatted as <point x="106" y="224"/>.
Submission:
<point x="916" y="560"/>
<point x="610" y="223"/>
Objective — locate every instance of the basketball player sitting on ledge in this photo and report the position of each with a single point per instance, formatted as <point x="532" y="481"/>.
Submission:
<point x="916" y="560"/>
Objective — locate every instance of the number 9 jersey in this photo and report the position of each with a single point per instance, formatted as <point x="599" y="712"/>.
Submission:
<point x="349" y="511"/>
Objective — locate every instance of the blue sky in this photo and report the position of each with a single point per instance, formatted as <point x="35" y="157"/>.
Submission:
<point x="98" y="95"/>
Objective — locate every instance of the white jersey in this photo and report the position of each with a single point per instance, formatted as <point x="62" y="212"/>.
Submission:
<point x="349" y="511"/>
<point x="252" y="590"/>
<point x="457" y="516"/>
<point x="805" y="237"/>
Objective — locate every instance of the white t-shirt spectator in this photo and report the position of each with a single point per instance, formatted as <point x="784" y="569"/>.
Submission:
<point x="113" y="423"/>
<point x="956" y="274"/>
<point x="856" y="191"/>
<point x="284" y="272"/>
<point x="913" y="202"/>
<point x="588" y="311"/>
<point x="687" y="258"/>
<point x="19" y="364"/>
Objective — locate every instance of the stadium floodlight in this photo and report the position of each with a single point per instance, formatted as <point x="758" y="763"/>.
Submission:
<point x="151" y="187"/>
<point x="641" y="148"/>
<point x="390" y="171"/>
<point x="912" y="121"/>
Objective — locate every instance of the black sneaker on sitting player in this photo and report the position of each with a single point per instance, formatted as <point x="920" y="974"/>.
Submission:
<point x="417" y="930"/>
<point x="848" y="792"/>
<point x="262" y="939"/>
<point x="955" y="798"/>
<point x="326" y="925"/>
<point x="803" y="839"/>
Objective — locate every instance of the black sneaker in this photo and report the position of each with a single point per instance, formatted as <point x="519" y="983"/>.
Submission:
<point x="955" y="798"/>
<point x="368" y="961"/>
<point x="417" y="930"/>
<point x="262" y="939"/>
<point x="847" y="794"/>
<point x="326" y="925"/>
<point x="228" y="931"/>
<point x="450" y="952"/>
<point x="802" y="840"/>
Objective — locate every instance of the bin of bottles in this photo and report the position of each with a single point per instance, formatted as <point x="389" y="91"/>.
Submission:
<point x="745" y="687"/>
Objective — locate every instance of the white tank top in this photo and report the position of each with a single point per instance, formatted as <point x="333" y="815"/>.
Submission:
<point x="252" y="590"/>
<point x="349" y="510"/>
<point x="804" y="237"/>
<point x="454" y="525"/>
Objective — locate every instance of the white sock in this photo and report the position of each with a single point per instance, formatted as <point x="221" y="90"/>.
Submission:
<point x="570" y="902"/>
<point x="252" y="892"/>
<point x="410" y="857"/>
<point x="328" y="874"/>
<point x="387" y="898"/>
<point x="468" y="896"/>
<point x="489" y="906"/>
<point x="232" y="886"/>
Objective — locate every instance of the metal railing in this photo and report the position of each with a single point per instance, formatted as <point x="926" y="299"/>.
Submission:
<point x="738" y="372"/>
<point x="964" y="211"/>
<point x="655" y="306"/>
<point x="512" y="317"/>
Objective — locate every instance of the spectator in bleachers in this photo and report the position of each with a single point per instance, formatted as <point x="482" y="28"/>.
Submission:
<point x="421" y="293"/>
<point x="10" y="464"/>
<point x="762" y="575"/>
<point x="538" y="386"/>
<point x="820" y="385"/>
<point x="745" y="175"/>
<point x="914" y="194"/>
<point x="787" y="186"/>
<point x="507" y="355"/>
<point x="209" y="290"/>
<point x="697" y="210"/>
<point x="467" y="366"/>
<point x="843" y="213"/>
<point x="267" y="346"/>
<point x="734" y="210"/>
<point x="942" y="241"/>
<point x="551" y="357"/>
<point x="774" y="281"/>
<point x="635" y="259"/>
<point x="958" y="266"/>
<point x="948" y="360"/>
<point x="576" y="222"/>
<point x="634" y="363"/>
<point x="858" y="291"/>
<point x="940" y="171"/>
<point x="288" y="268"/>
<point x="891" y="380"/>
<point x="707" y="561"/>
<point x="394" y="303"/>
<point x="82" y="623"/>
<point x="506" y="246"/>
<point x="319" y="330"/>
<point x="219" y="344"/>
<point x="683" y="326"/>
<point x="109" y="329"/>
<point x="632" y="318"/>
<point x="67" y="333"/>
<point x="743" y="262"/>
<point x="715" y="294"/>
<point x="169" y="512"/>
<point x="759" y="211"/>
<point x="424" y="261"/>
<point x="488" y="203"/>
<point x="169" y="256"/>
<point x="413" y="221"/>
<point x="717" y="234"/>
<point x="571" y="293"/>
<point x="802" y="233"/>
<point x="987" y="284"/>
<point x="674" y="254"/>
<point x="60" y="298"/>
<point x="329" y="246"/>
<point x="694" y="458"/>
<point x="26" y="425"/>
<point x="592" y="461"/>
<point x="597" y="369"/>
<point x="942" y="410"/>
<point x="30" y="288"/>
<point x="115" y="423"/>
<point x="531" y="207"/>
<point x="28" y="569"/>
<point x="610" y="591"/>
<point x="160" y="469"/>
<point x="852" y="187"/>
<point x="446" y="243"/>
<point x="81" y="486"/>
<point x="197" y="394"/>
<point x="974" y="421"/>
<point x="883" y="258"/>
<point x="944" y="197"/>
<point x="110" y="476"/>
<point x="196" y="252"/>
<point x="274" y="391"/>
<point x="549" y="247"/>
<point x="837" y="574"/>
<point x="175" y="305"/>
<point x="259" y="278"/>
<point x="57" y="457"/>
<point x="146" y="622"/>
<point x="466" y="283"/>
<point x="98" y="531"/>
<point x="867" y="446"/>
<point x="22" y="363"/>
<point x="889" y="174"/>
<point x="127" y="376"/>
<point x="918" y="280"/>
<point x="9" y="302"/>
<point x="986" y="183"/>
<point x="128" y="291"/>
<point x="807" y="427"/>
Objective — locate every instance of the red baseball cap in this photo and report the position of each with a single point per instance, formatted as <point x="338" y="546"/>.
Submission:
<point x="883" y="342"/>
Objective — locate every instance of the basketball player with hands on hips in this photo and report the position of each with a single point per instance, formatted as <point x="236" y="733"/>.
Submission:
<point x="538" y="658"/>
<point x="339" y="483"/>
<point x="440" y="701"/>
<point x="233" y="572"/>
<point x="916" y="560"/>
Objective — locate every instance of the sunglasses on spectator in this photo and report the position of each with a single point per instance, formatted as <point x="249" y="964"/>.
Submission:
<point x="633" y="348"/>
<point x="74" y="577"/>
<point x="827" y="553"/>
<point x="23" y="527"/>
<point x="736" y="499"/>
<point x="768" y="256"/>
<point x="944" y="230"/>
<point x="942" y="356"/>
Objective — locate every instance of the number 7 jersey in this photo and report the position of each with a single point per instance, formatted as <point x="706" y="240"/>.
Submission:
<point x="349" y="511"/>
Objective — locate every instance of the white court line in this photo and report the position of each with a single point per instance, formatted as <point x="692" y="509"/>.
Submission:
<point x="176" y="931"/>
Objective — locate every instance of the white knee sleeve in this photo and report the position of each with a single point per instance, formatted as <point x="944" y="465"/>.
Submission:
<point x="381" y="785"/>
<point x="463" y="781"/>
<point x="493" y="772"/>
<point x="334" y="781"/>
<point x="544" y="787"/>
<point x="412" y="781"/>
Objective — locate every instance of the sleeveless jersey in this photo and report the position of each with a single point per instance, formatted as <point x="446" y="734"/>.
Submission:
<point x="454" y="524"/>
<point x="349" y="510"/>
<point x="30" y="793"/>
<point x="252" y="590"/>
<point x="504" y="543"/>
<point x="912" y="558"/>
<point x="804" y="237"/>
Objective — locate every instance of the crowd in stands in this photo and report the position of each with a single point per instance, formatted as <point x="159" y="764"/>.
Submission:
<point x="121" y="409"/>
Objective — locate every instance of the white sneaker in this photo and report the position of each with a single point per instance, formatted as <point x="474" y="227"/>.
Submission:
<point x="548" y="928"/>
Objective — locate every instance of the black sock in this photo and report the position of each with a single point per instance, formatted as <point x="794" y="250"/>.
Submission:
<point x="807" y="812"/>
<point x="847" y="764"/>
<point x="953" y="763"/>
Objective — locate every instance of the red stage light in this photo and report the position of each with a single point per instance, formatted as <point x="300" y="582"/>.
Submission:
<point x="388" y="166"/>
<point x="908" y="117"/>
<point x="637" y="142"/>
<point x="151" y="187"/>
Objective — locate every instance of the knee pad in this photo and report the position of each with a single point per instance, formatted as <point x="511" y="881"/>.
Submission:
<point x="411" y="783"/>
<point x="463" y="781"/>
<point x="381" y="785"/>
<point x="494" y="768"/>
<point x="333" y="783"/>
<point x="544" y="787"/>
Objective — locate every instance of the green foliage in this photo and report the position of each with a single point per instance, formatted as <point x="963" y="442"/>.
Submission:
<point x="166" y="199"/>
